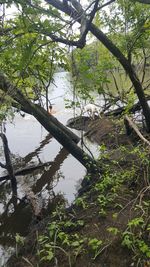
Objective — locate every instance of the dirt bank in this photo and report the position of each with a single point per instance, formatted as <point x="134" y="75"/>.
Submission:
<point x="109" y="223"/>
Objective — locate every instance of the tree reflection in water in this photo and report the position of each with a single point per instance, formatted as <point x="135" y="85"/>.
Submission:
<point x="41" y="182"/>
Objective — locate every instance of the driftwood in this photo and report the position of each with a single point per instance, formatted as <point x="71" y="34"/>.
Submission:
<point x="130" y="126"/>
<point x="25" y="170"/>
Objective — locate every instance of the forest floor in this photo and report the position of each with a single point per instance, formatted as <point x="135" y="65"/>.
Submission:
<point x="108" y="225"/>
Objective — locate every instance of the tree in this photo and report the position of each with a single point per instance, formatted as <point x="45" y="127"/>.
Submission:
<point x="32" y="41"/>
<point x="63" y="135"/>
<point x="27" y="67"/>
<point x="76" y="11"/>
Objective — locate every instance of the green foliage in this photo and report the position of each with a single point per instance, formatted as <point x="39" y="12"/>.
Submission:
<point x="28" y="55"/>
<point x="131" y="98"/>
<point x="95" y="247"/>
<point x="132" y="238"/>
<point x="81" y="202"/>
<point x="113" y="230"/>
<point x="107" y="189"/>
<point x="142" y="153"/>
<point x="19" y="239"/>
<point x="58" y="238"/>
<point x="90" y="70"/>
<point x="95" y="70"/>
<point x="129" y="18"/>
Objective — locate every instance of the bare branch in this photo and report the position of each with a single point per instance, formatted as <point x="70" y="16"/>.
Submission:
<point x="63" y="41"/>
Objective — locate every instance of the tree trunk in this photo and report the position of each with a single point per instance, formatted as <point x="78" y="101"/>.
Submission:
<point x="45" y="120"/>
<point x="61" y="133"/>
<point x="128" y="68"/>
<point x="76" y="14"/>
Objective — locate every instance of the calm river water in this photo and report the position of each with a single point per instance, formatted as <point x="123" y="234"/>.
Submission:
<point x="31" y="144"/>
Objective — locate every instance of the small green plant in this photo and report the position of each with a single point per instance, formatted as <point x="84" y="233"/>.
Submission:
<point x="103" y="152"/>
<point x="81" y="202"/>
<point x="113" y="230"/>
<point x="95" y="247"/>
<point x="58" y="238"/>
<point x="107" y="188"/>
<point x="133" y="238"/>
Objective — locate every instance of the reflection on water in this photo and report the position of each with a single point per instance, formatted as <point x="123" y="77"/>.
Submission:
<point x="30" y="144"/>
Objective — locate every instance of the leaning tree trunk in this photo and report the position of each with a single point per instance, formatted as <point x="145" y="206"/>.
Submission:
<point x="63" y="135"/>
<point x="129" y="69"/>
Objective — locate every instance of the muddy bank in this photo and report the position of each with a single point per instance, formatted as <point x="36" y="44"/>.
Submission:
<point x="100" y="130"/>
<point x="108" y="223"/>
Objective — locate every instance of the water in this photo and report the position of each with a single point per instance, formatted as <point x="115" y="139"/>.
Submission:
<point x="31" y="144"/>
